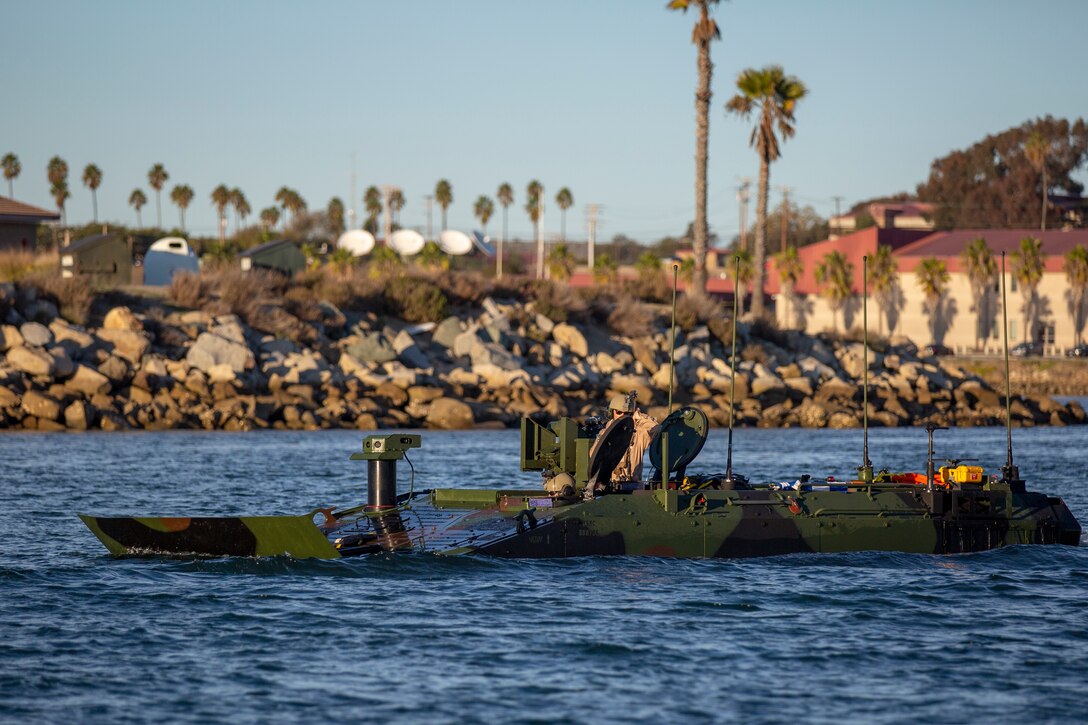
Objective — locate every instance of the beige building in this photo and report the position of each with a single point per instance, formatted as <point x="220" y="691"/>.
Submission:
<point x="959" y="321"/>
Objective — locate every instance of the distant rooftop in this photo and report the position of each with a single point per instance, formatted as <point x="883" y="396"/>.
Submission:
<point x="16" y="211"/>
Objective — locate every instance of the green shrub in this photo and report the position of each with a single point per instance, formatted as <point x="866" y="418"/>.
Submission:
<point x="415" y="300"/>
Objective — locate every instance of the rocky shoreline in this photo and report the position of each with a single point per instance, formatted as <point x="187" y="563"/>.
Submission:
<point x="162" y="368"/>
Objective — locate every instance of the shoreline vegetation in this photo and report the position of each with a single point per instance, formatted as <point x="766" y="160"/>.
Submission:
<point x="386" y="345"/>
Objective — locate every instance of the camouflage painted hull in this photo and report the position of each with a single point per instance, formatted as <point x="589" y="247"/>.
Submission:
<point x="707" y="523"/>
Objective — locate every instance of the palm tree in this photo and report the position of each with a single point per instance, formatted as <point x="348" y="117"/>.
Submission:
<point x="443" y="195"/>
<point x="334" y="213"/>
<point x="534" y="205"/>
<point x="744" y="274"/>
<point x="980" y="267"/>
<point x="1028" y="265"/>
<point x="240" y="203"/>
<point x="296" y="204"/>
<point x="157" y="177"/>
<point x="136" y="200"/>
<point x="836" y="275"/>
<point x="270" y="217"/>
<point x="604" y="269"/>
<point x="705" y="31"/>
<point x="505" y="195"/>
<point x="483" y="209"/>
<point x="790" y="268"/>
<point x="12" y="168"/>
<point x="561" y="262"/>
<point x="92" y="179"/>
<point x="396" y="203"/>
<point x="1076" y="271"/>
<point x="341" y="259"/>
<point x="57" y="172"/>
<point x="564" y="200"/>
<point x="182" y="196"/>
<point x="372" y="201"/>
<point x="242" y="207"/>
<point x="1035" y="149"/>
<point x="933" y="279"/>
<point x="884" y="283"/>
<point x="221" y="200"/>
<point x="774" y="95"/>
<point x="283" y="198"/>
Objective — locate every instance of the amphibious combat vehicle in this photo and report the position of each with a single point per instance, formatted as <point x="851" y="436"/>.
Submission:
<point x="953" y="509"/>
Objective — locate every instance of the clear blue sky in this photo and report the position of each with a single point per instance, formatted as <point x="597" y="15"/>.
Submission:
<point x="596" y="95"/>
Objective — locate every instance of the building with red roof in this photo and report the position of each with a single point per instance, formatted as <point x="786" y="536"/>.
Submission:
<point x="19" y="224"/>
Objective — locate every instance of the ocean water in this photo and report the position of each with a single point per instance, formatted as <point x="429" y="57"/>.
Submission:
<point x="999" y="636"/>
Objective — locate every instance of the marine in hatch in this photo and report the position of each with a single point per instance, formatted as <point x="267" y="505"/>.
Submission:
<point x="629" y="469"/>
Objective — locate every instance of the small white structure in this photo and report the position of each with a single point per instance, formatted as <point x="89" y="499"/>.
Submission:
<point x="406" y="242"/>
<point x="357" y="241"/>
<point x="454" y="243"/>
<point x="165" y="258"/>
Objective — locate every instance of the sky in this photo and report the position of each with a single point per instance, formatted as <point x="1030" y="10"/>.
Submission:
<point x="594" y="95"/>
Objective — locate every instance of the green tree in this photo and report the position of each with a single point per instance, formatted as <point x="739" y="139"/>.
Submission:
<point x="742" y="277"/>
<point x="1028" y="265"/>
<point x="313" y="257"/>
<point x="980" y="268"/>
<point x="283" y="199"/>
<point x="12" y="169"/>
<point x="561" y="262"/>
<point x="270" y="217"/>
<point x="1036" y="150"/>
<point x="705" y="31"/>
<point x="835" y="275"/>
<point x="932" y="275"/>
<point x="604" y="269"/>
<point x="790" y="268"/>
<point x="774" y="96"/>
<point x="157" y="178"/>
<point x="534" y="207"/>
<point x="564" y="200"/>
<point x="342" y="261"/>
<point x="505" y="195"/>
<point x="396" y="203"/>
<point x="221" y="200"/>
<point x="334" y="213"/>
<point x="92" y="179"/>
<point x="136" y="200"/>
<point x="241" y="207"/>
<point x="483" y="209"/>
<point x="443" y="196"/>
<point x="182" y="196"/>
<point x="57" y="172"/>
<point x="1076" y="272"/>
<point x="432" y="256"/>
<point x="884" y="284"/>
<point x="372" y="202"/>
<point x="648" y="265"/>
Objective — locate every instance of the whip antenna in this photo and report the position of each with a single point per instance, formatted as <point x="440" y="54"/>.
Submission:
<point x="865" y="470"/>
<point x="672" y="338"/>
<point x="1009" y="472"/>
<point x="732" y="371"/>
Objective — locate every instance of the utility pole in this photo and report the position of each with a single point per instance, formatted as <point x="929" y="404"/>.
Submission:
<point x="838" y="217"/>
<point x="430" y="205"/>
<point x="742" y="197"/>
<point x="591" y="241"/>
<point x="785" y="218"/>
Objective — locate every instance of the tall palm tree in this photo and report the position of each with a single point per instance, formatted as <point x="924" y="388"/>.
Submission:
<point x="157" y="178"/>
<point x="884" y="282"/>
<point x="705" y="31"/>
<point x="534" y="206"/>
<point x="283" y="198"/>
<point x="981" y="268"/>
<point x="932" y="275"/>
<point x="505" y="195"/>
<point x="774" y="96"/>
<point x="297" y="205"/>
<point x="242" y="207"/>
<point x="1035" y="149"/>
<point x="835" y="274"/>
<point x="443" y="195"/>
<point x="12" y="168"/>
<point x="483" y="209"/>
<point x="57" y="172"/>
<point x="334" y="213"/>
<point x="564" y="200"/>
<point x="270" y="217"/>
<point x="137" y="200"/>
<point x="1028" y="265"/>
<point x="182" y="196"/>
<point x="790" y="268"/>
<point x="396" y="203"/>
<point x="92" y="179"/>
<point x="1076" y="272"/>
<point x="240" y="203"/>
<point x="221" y="200"/>
<point x="372" y="202"/>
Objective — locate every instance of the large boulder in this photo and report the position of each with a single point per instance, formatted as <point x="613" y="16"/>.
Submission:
<point x="79" y="416"/>
<point x="129" y="344"/>
<point x="41" y="405"/>
<point x="210" y="350"/>
<point x="571" y="338"/>
<point x="35" y="334"/>
<point x="408" y="352"/>
<point x="9" y="337"/>
<point x="449" y="414"/>
<point x="87" y="381"/>
<point x="491" y="353"/>
<point x="371" y="347"/>
<point x="446" y="332"/>
<point x="32" y="361"/>
<point x="121" y="318"/>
